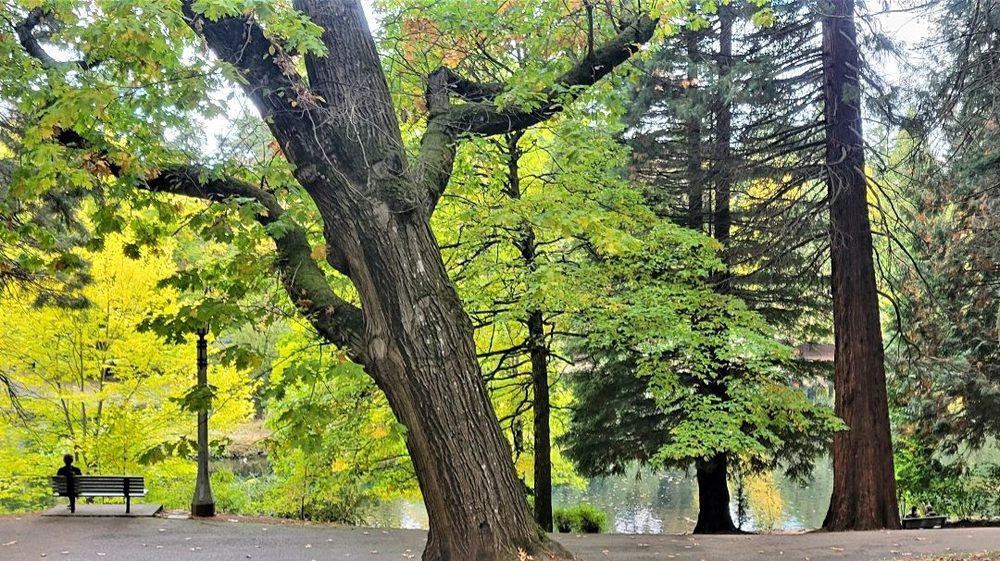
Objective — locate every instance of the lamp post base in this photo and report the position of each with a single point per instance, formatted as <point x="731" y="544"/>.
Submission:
<point x="206" y="509"/>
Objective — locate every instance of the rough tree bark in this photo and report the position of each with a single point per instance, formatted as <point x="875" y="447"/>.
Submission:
<point x="864" y="487"/>
<point x="340" y="133"/>
<point x="338" y="129"/>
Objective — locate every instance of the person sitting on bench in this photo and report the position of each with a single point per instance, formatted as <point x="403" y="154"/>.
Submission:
<point x="69" y="471"/>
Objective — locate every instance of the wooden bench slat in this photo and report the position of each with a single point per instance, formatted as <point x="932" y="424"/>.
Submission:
<point x="919" y="522"/>
<point x="102" y="486"/>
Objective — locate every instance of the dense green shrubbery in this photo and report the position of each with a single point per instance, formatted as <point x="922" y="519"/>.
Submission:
<point x="955" y="488"/>
<point x="582" y="518"/>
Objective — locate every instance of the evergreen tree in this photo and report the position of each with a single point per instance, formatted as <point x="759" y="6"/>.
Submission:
<point x="864" y="487"/>
<point x="947" y="380"/>
<point x="728" y="142"/>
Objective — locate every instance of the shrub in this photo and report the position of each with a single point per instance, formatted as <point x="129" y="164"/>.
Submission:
<point x="580" y="518"/>
<point x="562" y="521"/>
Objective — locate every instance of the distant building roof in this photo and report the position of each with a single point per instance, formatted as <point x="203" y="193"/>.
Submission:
<point x="814" y="352"/>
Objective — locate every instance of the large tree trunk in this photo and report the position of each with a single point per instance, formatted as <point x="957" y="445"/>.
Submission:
<point x="339" y="131"/>
<point x="418" y="341"/>
<point x="421" y="354"/>
<point x="714" y="516"/>
<point x="864" y="487"/>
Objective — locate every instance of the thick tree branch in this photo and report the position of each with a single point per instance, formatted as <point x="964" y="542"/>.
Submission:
<point x="337" y="320"/>
<point x="445" y="80"/>
<point x="479" y="115"/>
<point x="285" y="101"/>
<point x="437" y="146"/>
<point x="350" y="78"/>
<point x="485" y="118"/>
<point x="272" y="80"/>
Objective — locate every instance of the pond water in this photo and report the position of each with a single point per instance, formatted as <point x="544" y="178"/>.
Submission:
<point x="667" y="502"/>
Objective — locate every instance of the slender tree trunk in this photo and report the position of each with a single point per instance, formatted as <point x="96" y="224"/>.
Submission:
<point x="864" y="487"/>
<point x="714" y="516"/>
<point x="695" y="211"/>
<point x="538" y="352"/>
<point x="722" y="219"/>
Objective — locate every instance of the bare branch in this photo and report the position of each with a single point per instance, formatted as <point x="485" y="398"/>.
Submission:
<point x="486" y="119"/>
<point x="26" y="36"/>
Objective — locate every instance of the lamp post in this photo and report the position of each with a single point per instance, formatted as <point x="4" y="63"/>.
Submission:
<point x="203" y="504"/>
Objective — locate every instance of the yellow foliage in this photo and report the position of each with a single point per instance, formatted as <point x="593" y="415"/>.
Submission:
<point x="766" y="506"/>
<point x="93" y="382"/>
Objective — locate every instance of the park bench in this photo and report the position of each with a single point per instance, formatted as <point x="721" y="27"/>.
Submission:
<point x="916" y="522"/>
<point x="126" y="486"/>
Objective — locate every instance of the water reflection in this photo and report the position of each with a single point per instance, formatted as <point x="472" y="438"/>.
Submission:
<point x="666" y="502"/>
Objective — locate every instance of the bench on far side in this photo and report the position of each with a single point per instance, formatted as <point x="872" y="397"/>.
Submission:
<point x="126" y="486"/>
<point x="916" y="522"/>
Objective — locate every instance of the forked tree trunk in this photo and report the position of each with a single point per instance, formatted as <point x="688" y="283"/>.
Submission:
<point x="418" y="341"/>
<point x="714" y="516"/>
<point x="864" y="487"/>
<point x="339" y="131"/>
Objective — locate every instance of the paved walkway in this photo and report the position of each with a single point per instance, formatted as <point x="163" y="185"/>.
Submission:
<point x="84" y="510"/>
<point x="32" y="537"/>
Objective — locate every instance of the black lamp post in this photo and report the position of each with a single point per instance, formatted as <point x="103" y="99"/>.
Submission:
<point x="203" y="504"/>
